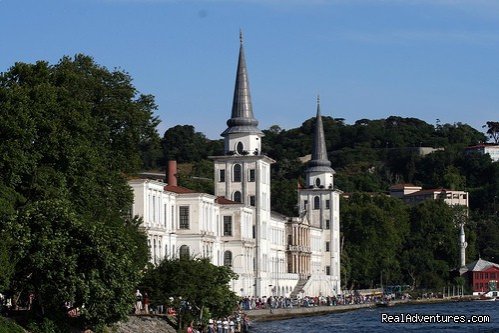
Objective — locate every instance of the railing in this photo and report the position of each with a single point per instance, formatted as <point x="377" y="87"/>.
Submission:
<point x="300" y="248"/>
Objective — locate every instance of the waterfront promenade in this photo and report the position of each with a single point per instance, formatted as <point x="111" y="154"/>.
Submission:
<point x="285" y="313"/>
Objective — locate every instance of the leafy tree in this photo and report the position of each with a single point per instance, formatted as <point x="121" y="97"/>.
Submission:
<point x="183" y="144"/>
<point x="493" y="130"/>
<point x="62" y="258"/>
<point x="202" y="286"/>
<point x="69" y="135"/>
<point x="487" y="228"/>
<point x="431" y="250"/>
<point x="374" y="229"/>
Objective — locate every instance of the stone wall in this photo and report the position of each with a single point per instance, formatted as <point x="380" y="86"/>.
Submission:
<point x="143" y="324"/>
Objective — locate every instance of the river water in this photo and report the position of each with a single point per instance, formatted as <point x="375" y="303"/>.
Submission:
<point x="370" y="319"/>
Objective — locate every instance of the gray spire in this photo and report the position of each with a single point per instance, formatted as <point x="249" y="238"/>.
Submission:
<point x="319" y="161"/>
<point x="242" y="119"/>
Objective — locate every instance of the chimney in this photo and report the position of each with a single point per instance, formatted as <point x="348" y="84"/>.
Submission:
<point x="172" y="173"/>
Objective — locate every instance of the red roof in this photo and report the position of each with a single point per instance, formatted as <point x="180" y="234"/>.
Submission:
<point x="225" y="201"/>
<point x="483" y="145"/>
<point x="401" y="186"/>
<point x="178" y="189"/>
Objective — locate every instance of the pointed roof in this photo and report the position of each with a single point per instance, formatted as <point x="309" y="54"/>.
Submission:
<point x="319" y="161"/>
<point x="480" y="265"/>
<point x="242" y="119"/>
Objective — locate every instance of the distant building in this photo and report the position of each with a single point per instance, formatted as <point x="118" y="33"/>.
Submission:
<point x="413" y="194"/>
<point x="482" y="277"/>
<point x="485" y="148"/>
<point x="423" y="151"/>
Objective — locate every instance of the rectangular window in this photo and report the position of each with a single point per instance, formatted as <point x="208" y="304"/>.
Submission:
<point x="221" y="176"/>
<point x="252" y="200"/>
<point x="327" y="246"/>
<point x="184" y="217"/>
<point x="328" y="204"/>
<point x="254" y="232"/>
<point x="327" y="225"/>
<point x="227" y="225"/>
<point x="153" y="208"/>
<point x="252" y="175"/>
<point x="305" y="204"/>
<point x="165" y="214"/>
<point x="328" y="270"/>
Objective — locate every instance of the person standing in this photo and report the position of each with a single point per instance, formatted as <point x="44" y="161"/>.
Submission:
<point x="138" y="302"/>
<point x="211" y="326"/>
<point x="146" y="303"/>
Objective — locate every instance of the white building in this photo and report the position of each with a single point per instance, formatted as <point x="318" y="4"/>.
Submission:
<point x="413" y="194"/>
<point x="485" y="148"/>
<point x="272" y="254"/>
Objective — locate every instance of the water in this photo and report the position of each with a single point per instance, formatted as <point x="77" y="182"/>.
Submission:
<point x="369" y="320"/>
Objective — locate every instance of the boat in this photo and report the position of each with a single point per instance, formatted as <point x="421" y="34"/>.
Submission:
<point x="484" y="298"/>
<point x="384" y="304"/>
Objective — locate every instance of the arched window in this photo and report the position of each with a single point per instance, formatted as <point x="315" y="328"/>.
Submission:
<point x="237" y="173"/>
<point x="317" y="202"/>
<point x="184" y="252"/>
<point x="237" y="196"/>
<point x="228" y="258"/>
<point x="239" y="148"/>
<point x="317" y="182"/>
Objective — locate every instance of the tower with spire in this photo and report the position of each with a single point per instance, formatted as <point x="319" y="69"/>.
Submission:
<point x="242" y="175"/>
<point x="319" y="208"/>
<point x="462" y="246"/>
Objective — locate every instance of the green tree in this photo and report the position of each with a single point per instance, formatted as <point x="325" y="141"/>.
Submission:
<point x="70" y="133"/>
<point x="183" y="144"/>
<point x="202" y="286"/>
<point x="431" y="249"/>
<point x="374" y="229"/>
<point x="493" y="130"/>
<point x="63" y="258"/>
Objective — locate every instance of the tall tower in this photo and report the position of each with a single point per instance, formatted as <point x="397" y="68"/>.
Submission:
<point x="319" y="204"/>
<point x="242" y="174"/>
<point x="462" y="246"/>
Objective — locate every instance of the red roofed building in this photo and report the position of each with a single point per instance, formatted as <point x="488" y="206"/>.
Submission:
<point x="485" y="148"/>
<point x="482" y="276"/>
<point x="413" y="194"/>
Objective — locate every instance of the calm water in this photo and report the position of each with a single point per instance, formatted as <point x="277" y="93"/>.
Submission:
<point x="369" y="320"/>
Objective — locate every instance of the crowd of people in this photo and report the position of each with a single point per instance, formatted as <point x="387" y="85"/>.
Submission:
<point x="277" y="302"/>
<point x="237" y="323"/>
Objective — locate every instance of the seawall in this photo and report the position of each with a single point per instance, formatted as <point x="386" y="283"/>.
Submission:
<point x="286" y="313"/>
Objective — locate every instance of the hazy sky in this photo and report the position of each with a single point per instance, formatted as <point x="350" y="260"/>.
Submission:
<point x="429" y="59"/>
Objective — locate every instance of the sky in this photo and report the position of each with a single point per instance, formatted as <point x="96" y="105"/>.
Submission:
<point x="367" y="59"/>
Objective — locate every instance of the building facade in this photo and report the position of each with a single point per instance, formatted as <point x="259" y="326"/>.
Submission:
<point x="413" y="194"/>
<point x="484" y="148"/>
<point x="272" y="254"/>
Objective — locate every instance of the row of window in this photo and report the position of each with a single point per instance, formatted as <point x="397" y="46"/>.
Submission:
<point x="486" y="275"/>
<point x="237" y="174"/>
<point x="237" y="197"/>
<point x="184" y="253"/>
<point x="317" y="203"/>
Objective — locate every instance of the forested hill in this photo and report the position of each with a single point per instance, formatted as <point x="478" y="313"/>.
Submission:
<point x="368" y="156"/>
<point x="382" y="237"/>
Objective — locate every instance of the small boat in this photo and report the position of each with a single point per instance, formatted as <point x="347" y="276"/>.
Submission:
<point x="484" y="298"/>
<point x="384" y="304"/>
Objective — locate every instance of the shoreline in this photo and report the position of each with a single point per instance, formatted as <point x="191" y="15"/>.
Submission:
<point x="288" y="313"/>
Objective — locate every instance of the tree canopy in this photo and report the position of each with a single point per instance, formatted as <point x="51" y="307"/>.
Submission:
<point x="203" y="287"/>
<point x="70" y="133"/>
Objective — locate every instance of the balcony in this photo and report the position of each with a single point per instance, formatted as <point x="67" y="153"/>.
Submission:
<point x="299" y="248"/>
